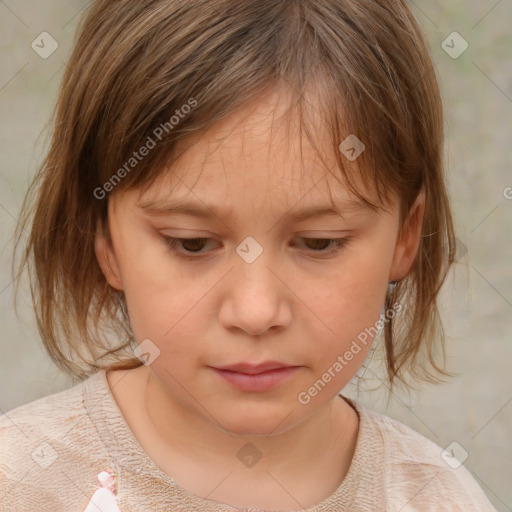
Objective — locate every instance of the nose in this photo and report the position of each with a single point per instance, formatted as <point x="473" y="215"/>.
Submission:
<point x="255" y="300"/>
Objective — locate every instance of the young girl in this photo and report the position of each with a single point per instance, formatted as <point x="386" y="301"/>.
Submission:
<point x="238" y="198"/>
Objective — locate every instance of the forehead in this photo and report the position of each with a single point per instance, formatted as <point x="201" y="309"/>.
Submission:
<point x="258" y="154"/>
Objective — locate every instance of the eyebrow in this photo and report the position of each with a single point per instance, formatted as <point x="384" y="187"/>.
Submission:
<point x="204" y="211"/>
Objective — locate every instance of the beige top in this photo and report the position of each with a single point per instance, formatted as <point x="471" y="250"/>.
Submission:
<point x="52" y="449"/>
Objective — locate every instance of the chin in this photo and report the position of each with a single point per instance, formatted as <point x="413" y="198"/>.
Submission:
<point x="257" y="420"/>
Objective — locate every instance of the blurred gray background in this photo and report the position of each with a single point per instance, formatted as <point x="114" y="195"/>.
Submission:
<point x="475" y="407"/>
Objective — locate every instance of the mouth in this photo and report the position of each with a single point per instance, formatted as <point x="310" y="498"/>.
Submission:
<point x="254" y="369"/>
<point x="256" y="378"/>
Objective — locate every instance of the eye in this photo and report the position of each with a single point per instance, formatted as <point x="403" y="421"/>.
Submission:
<point x="325" y="245"/>
<point x="186" y="245"/>
<point x="192" y="247"/>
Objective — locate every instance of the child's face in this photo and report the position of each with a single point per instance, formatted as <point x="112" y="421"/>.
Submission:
<point x="228" y="305"/>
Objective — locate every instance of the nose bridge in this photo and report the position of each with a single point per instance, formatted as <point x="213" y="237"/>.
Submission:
<point x="254" y="300"/>
<point x="252" y="274"/>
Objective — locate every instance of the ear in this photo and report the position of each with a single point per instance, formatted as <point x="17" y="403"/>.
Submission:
<point x="106" y="258"/>
<point x="407" y="247"/>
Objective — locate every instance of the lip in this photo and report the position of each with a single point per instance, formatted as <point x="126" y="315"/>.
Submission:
<point x="258" y="380"/>
<point x="254" y="369"/>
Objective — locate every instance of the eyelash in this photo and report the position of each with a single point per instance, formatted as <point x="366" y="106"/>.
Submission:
<point x="173" y="243"/>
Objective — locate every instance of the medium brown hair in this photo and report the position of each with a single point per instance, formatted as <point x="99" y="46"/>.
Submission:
<point x="134" y="67"/>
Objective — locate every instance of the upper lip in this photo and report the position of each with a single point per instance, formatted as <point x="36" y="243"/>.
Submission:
<point x="253" y="369"/>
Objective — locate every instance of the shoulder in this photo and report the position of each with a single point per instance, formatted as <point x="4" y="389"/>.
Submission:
<point x="42" y="439"/>
<point x="418" y="474"/>
<point x="43" y="419"/>
<point x="47" y="414"/>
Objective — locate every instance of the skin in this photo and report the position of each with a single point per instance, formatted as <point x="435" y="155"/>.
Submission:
<point x="292" y="304"/>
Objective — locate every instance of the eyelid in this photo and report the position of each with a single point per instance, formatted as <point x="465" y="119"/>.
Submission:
<point x="173" y="247"/>
<point x="337" y="245"/>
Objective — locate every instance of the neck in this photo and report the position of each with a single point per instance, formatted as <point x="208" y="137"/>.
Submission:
<point x="325" y="441"/>
<point x="296" y="468"/>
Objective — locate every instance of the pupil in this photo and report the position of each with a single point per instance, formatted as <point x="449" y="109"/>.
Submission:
<point x="194" y="242"/>
<point x="314" y="242"/>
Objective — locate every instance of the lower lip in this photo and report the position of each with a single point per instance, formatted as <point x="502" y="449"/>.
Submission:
<point x="257" y="382"/>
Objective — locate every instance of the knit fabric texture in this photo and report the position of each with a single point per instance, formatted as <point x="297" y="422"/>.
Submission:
<point x="52" y="450"/>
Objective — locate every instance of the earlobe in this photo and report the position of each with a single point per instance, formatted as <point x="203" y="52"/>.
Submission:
<point x="407" y="247"/>
<point x="106" y="258"/>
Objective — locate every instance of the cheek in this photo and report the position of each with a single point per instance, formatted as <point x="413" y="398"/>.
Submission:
<point x="160" y="298"/>
<point x="173" y="318"/>
<point x="354" y="295"/>
<point x="349" y="304"/>
<point x="161" y="310"/>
